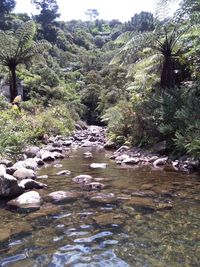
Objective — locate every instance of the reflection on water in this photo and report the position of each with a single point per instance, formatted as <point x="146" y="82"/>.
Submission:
<point x="88" y="233"/>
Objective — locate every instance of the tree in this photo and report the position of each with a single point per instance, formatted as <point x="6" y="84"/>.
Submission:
<point x="164" y="41"/>
<point x="6" y="6"/>
<point x="48" y="11"/>
<point x="19" y="48"/>
<point x="143" y="22"/>
<point x="92" y="13"/>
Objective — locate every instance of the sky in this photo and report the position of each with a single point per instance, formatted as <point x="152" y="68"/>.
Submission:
<point x="122" y="10"/>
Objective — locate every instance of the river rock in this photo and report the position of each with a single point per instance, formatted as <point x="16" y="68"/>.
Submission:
<point x="104" y="198"/>
<point x="39" y="161"/>
<point x="121" y="158"/>
<point x="28" y="201"/>
<point x="29" y="184"/>
<point x="83" y="178"/>
<point x="9" y="186"/>
<point x="98" y="165"/>
<point x="87" y="154"/>
<point x="54" y="149"/>
<point x="109" y="218"/>
<point x="142" y="202"/>
<point x="94" y="186"/>
<point x="6" y="162"/>
<point x="67" y="142"/>
<point x="47" y="156"/>
<point x="109" y="145"/>
<point x="31" y="151"/>
<point x="160" y="161"/>
<point x="45" y="176"/>
<point x="31" y="163"/>
<point x="87" y="143"/>
<point x="57" y="165"/>
<point x="63" y="196"/>
<point x="131" y="161"/>
<point x="5" y="234"/>
<point x="23" y="173"/>
<point x="58" y="155"/>
<point x="64" y="172"/>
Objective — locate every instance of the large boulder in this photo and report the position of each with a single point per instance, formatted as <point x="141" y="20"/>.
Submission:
<point x="23" y="173"/>
<point x="9" y="186"/>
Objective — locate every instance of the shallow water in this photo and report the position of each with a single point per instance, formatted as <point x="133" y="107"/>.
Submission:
<point x="85" y="233"/>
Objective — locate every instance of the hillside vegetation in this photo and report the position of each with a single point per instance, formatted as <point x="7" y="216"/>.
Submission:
<point x="139" y="78"/>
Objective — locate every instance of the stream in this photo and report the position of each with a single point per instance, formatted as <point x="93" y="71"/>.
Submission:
<point x="109" y="233"/>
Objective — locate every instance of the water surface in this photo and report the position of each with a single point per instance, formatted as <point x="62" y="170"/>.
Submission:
<point x="85" y="233"/>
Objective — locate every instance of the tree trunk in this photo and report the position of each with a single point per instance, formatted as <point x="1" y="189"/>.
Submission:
<point x="13" y="83"/>
<point x="167" y="74"/>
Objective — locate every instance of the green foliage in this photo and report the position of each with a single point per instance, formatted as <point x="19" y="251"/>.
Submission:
<point x="19" y="128"/>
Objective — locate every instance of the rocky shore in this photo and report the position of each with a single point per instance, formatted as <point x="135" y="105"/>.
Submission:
<point x="19" y="182"/>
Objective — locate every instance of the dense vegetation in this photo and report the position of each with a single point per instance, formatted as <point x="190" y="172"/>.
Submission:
<point x="140" y="78"/>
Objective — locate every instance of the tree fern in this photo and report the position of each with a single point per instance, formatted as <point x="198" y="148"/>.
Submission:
<point x="18" y="48"/>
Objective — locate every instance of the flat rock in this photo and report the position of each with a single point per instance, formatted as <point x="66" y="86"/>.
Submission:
<point x="64" y="196"/>
<point x="23" y="173"/>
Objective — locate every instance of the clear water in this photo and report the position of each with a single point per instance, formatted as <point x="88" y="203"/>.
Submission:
<point x="84" y="233"/>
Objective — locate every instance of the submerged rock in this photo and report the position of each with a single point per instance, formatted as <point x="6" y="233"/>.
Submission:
<point x="109" y="218"/>
<point x="102" y="197"/>
<point x="63" y="196"/>
<point x="5" y="234"/>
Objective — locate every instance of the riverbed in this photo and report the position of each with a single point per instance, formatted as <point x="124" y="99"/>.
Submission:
<point x="109" y="233"/>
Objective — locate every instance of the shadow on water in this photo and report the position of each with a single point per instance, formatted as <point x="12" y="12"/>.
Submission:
<point x="116" y="232"/>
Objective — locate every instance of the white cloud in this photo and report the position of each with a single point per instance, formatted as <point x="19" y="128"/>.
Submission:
<point x="108" y="9"/>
